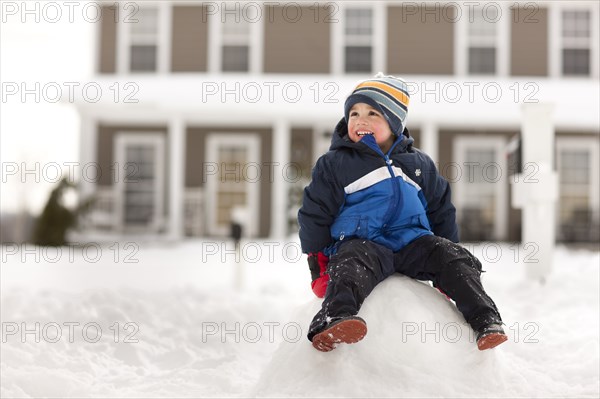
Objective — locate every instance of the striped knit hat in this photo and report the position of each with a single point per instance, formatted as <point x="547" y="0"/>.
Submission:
<point x="387" y="94"/>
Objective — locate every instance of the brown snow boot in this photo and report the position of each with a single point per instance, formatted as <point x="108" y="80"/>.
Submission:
<point x="490" y="336"/>
<point x="348" y="330"/>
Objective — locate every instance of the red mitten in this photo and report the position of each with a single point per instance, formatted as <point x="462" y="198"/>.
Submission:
<point x="317" y="262"/>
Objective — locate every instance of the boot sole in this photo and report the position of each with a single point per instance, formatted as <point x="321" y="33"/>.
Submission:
<point x="491" y="341"/>
<point x="347" y="331"/>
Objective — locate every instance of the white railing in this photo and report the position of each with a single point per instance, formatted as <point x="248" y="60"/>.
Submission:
<point x="193" y="212"/>
<point x="102" y="215"/>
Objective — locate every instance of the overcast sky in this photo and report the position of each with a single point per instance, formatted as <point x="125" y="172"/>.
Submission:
<point x="39" y="134"/>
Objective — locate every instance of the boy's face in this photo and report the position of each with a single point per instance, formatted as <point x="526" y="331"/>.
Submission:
<point x="365" y="120"/>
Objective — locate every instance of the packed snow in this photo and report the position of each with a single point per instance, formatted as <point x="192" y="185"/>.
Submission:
<point x="185" y="319"/>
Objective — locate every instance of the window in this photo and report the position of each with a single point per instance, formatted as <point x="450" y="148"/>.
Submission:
<point x="482" y="36"/>
<point x="358" y="33"/>
<point x="578" y="172"/>
<point x="143" y="49"/>
<point x="576" y="42"/>
<point x="235" y="48"/>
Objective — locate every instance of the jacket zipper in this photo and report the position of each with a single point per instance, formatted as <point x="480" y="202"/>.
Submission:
<point x="392" y="210"/>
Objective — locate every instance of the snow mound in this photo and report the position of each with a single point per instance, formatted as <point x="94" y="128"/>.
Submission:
<point x="418" y="345"/>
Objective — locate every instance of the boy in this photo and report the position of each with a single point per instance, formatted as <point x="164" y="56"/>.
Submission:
<point x="377" y="206"/>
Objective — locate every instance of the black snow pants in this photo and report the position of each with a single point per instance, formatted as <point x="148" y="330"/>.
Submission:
<point x="359" y="265"/>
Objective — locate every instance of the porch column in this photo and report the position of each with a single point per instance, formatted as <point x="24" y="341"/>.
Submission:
<point x="536" y="193"/>
<point x="281" y="159"/>
<point x="430" y="140"/>
<point x="89" y="169"/>
<point x="176" y="178"/>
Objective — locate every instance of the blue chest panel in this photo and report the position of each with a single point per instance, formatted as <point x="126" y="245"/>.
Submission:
<point x="384" y="209"/>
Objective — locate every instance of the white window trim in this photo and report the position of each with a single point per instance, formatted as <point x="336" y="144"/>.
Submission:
<point x="255" y="42"/>
<point x="461" y="144"/>
<point x="165" y="15"/>
<point x="257" y="33"/>
<point x="163" y="42"/>
<point x="555" y="10"/>
<point x="123" y="34"/>
<point x="461" y="44"/>
<point x="337" y="43"/>
<point x="252" y="142"/>
<point x="377" y="41"/>
<point x="122" y="139"/>
<point x="214" y="43"/>
<point x="591" y="144"/>
<point x="502" y="42"/>
<point x="380" y="37"/>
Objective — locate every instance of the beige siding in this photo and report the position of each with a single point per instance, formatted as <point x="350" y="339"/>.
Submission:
<point x="419" y="42"/>
<point x="195" y="162"/>
<point x="301" y="150"/>
<point x="529" y="42"/>
<point x="190" y="39"/>
<point x="415" y="133"/>
<point x="294" y="42"/>
<point x="108" y="41"/>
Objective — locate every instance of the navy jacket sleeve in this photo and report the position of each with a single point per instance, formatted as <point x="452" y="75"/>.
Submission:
<point x="323" y="198"/>
<point x="440" y="210"/>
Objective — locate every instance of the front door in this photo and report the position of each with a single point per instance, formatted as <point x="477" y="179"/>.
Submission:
<point x="578" y="168"/>
<point x="481" y="189"/>
<point x="233" y="178"/>
<point x="139" y="184"/>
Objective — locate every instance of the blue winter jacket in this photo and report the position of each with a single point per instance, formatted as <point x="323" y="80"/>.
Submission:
<point x="357" y="191"/>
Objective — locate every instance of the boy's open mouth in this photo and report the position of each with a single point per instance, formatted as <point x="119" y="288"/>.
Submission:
<point x="364" y="133"/>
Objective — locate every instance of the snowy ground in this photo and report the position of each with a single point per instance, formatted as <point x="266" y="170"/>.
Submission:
<point x="169" y="320"/>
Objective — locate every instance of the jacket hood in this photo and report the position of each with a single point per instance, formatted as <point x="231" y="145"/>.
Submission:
<point x="341" y="139"/>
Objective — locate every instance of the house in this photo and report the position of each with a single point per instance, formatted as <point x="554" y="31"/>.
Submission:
<point x="219" y="108"/>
